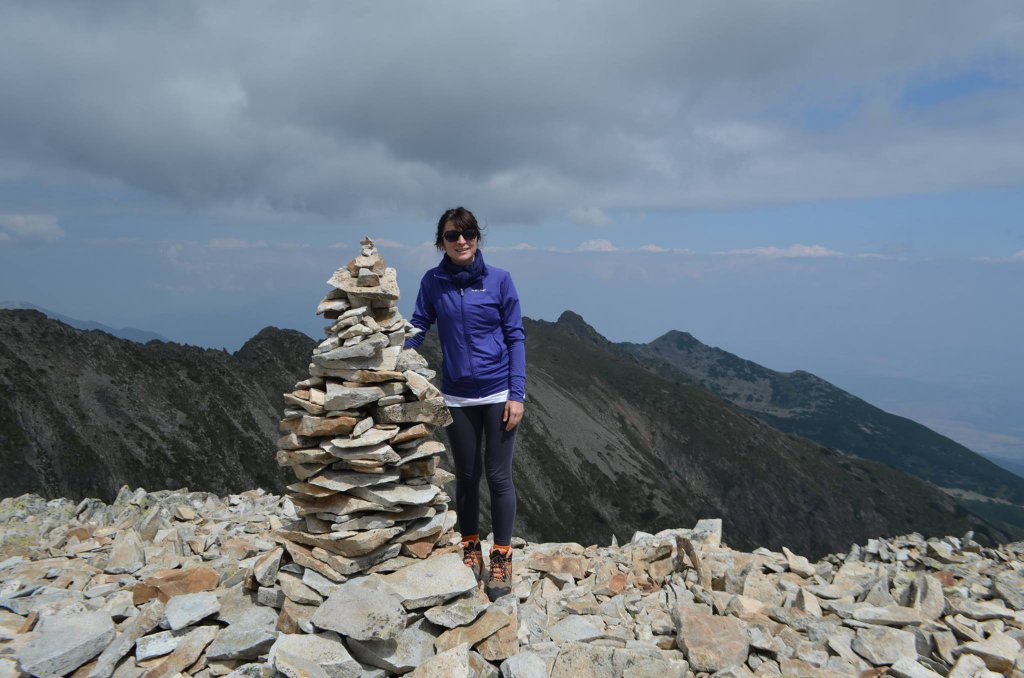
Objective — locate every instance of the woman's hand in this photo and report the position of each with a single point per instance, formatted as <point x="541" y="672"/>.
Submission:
<point x="513" y="414"/>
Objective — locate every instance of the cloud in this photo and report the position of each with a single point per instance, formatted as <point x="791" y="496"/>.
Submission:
<point x="120" y="241"/>
<point x="1016" y="257"/>
<point x="235" y="244"/>
<point x="793" y="251"/>
<point x="597" y="245"/>
<point x="589" y="216"/>
<point x="658" y="249"/>
<point x="29" y="229"/>
<point x="385" y="242"/>
<point x="705" y="105"/>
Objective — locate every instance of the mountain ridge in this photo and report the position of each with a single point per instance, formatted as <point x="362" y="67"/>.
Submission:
<point x="607" y="444"/>
<point x="129" y="333"/>
<point x="802" y="403"/>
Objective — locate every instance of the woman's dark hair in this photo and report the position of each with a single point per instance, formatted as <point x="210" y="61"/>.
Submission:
<point x="461" y="219"/>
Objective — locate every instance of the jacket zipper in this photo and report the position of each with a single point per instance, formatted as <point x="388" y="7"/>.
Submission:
<point x="465" y="336"/>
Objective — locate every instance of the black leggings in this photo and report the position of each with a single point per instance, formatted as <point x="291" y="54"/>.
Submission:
<point x="469" y="426"/>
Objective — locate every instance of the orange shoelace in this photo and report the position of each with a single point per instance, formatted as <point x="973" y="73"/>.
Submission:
<point x="472" y="554"/>
<point x="501" y="565"/>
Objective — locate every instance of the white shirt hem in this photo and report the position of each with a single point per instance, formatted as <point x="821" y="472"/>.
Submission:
<point x="456" y="401"/>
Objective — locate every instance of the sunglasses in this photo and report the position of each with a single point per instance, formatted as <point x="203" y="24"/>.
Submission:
<point x="468" y="234"/>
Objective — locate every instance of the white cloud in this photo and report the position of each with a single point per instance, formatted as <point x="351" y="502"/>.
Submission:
<point x="519" y="247"/>
<point x="703" y="107"/>
<point x="793" y="251"/>
<point x="120" y="241"/>
<point x="29" y="229"/>
<point x="597" y="245"/>
<point x="235" y="244"/>
<point x="1013" y="258"/>
<point x="658" y="249"/>
<point x="589" y="216"/>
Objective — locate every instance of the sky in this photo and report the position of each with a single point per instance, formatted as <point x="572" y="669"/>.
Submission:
<point x="835" y="187"/>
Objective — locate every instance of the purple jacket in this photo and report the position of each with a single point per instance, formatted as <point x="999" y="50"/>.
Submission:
<point x="481" y="332"/>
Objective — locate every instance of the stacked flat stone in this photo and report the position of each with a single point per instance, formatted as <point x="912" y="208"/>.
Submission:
<point x="358" y="434"/>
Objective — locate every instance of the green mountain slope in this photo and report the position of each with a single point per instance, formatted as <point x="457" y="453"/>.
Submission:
<point x="84" y="412"/>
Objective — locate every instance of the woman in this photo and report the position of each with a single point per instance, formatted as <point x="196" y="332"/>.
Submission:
<point x="483" y="380"/>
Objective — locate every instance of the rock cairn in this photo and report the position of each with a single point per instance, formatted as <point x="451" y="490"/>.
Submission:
<point x="169" y="583"/>
<point x="357" y="434"/>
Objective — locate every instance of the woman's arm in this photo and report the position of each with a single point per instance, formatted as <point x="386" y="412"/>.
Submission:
<point x="423" y="317"/>
<point x="515" y="341"/>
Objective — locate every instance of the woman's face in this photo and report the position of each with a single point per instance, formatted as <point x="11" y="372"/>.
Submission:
<point x="463" y="250"/>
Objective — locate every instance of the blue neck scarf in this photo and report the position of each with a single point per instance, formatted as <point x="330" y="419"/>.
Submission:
<point x="464" y="276"/>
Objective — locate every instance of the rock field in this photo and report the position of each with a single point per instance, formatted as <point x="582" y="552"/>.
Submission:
<point x="175" y="583"/>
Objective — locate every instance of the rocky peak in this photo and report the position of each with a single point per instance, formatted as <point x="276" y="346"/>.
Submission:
<point x="574" y="325"/>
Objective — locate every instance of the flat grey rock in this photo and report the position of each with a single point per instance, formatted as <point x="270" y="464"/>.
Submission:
<point x="9" y="668"/>
<point x="381" y="452"/>
<point x="158" y="644"/>
<point x="574" y="628"/>
<point x="908" y="668"/>
<point x="453" y="663"/>
<point x="238" y="607"/>
<point x="711" y="642"/>
<point x="583" y="659"/>
<point x="63" y="643"/>
<point x="431" y="582"/>
<point x="459" y="612"/>
<point x="430" y="411"/>
<point x="891" y="615"/>
<point x="306" y="656"/>
<point x="264" y="570"/>
<point x="296" y="591"/>
<point x="883" y="645"/>
<point x="127" y="554"/>
<point x="998" y="651"/>
<point x="396" y="494"/>
<point x="241" y="642"/>
<point x="343" y="481"/>
<point x="363" y="610"/>
<point x="524" y="665"/>
<point x="186" y="610"/>
<point x="413" y="647"/>
<point x="319" y="583"/>
<point x="251" y="670"/>
<point x="345" y="398"/>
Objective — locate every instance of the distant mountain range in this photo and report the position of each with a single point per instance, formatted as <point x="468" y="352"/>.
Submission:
<point x="129" y="333"/>
<point x="803" y="404"/>
<point x="617" y="437"/>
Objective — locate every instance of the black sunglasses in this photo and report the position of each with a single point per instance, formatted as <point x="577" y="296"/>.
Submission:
<point x="468" y="234"/>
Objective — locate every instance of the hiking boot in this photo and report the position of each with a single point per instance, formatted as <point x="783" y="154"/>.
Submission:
<point x="473" y="557"/>
<point x="499" y="581"/>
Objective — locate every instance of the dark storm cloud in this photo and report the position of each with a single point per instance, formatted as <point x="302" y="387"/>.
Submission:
<point x="528" y="110"/>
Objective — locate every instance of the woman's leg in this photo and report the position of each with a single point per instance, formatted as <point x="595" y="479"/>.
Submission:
<point x="464" y="436"/>
<point x="500" y="446"/>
